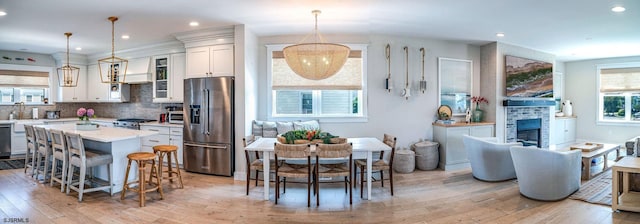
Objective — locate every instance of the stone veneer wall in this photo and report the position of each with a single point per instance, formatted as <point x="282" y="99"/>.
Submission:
<point x="140" y="106"/>
<point x="519" y="113"/>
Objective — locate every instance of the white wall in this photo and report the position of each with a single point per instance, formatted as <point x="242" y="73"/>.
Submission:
<point x="246" y="50"/>
<point x="580" y="88"/>
<point x="410" y="120"/>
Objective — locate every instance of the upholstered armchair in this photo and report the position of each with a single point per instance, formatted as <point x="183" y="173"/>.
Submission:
<point x="547" y="175"/>
<point x="490" y="160"/>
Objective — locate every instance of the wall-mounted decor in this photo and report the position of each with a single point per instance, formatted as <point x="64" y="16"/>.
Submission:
<point x="528" y="77"/>
<point x="388" y="84"/>
<point x="423" y="83"/>
<point x="406" y="92"/>
<point x="455" y="80"/>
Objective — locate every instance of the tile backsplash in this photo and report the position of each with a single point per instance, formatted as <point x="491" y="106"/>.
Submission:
<point x="140" y="106"/>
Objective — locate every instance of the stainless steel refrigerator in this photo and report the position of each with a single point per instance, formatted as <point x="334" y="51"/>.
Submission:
<point x="209" y="125"/>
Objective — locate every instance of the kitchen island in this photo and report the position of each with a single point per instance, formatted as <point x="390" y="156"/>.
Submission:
<point x="117" y="141"/>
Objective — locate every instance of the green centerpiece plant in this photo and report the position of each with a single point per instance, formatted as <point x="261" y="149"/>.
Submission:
<point x="307" y="136"/>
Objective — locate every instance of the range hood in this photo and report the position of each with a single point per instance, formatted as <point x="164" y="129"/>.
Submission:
<point x="139" y="71"/>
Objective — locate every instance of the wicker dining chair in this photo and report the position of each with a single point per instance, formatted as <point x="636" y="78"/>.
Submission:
<point x="379" y="165"/>
<point x="254" y="163"/>
<point x="333" y="152"/>
<point x="293" y="152"/>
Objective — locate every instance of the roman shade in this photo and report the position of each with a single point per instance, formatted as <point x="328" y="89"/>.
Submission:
<point x="15" y="78"/>
<point x="348" y="78"/>
<point x="620" y="80"/>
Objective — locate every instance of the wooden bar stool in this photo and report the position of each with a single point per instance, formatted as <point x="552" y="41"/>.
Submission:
<point x="169" y="151"/>
<point x="142" y="158"/>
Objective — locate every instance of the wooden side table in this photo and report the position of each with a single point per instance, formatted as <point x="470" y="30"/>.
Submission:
<point x="625" y="200"/>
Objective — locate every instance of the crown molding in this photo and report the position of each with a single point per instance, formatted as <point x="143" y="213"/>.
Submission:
<point x="205" y="37"/>
<point x="75" y="59"/>
<point x="169" y="47"/>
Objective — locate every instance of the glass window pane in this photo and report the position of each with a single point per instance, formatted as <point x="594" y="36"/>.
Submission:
<point x="336" y="102"/>
<point x="293" y="102"/>
<point x="613" y="107"/>
<point x="32" y="95"/>
<point x="635" y="107"/>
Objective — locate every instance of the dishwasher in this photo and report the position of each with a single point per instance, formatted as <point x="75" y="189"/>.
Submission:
<point x="5" y="141"/>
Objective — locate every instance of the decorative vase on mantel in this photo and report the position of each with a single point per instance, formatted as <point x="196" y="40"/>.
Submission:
<point x="477" y="115"/>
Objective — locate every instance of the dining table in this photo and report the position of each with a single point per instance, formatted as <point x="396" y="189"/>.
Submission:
<point x="363" y="148"/>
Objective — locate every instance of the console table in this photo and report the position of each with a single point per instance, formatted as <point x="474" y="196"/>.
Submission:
<point x="625" y="199"/>
<point x="452" y="153"/>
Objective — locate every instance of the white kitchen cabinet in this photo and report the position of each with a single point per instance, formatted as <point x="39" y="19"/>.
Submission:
<point x="565" y="130"/>
<point x="97" y="91"/>
<point x="166" y="136"/>
<point x="452" y="152"/>
<point x="75" y="94"/>
<point x="210" y="61"/>
<point x="168" y="78"/>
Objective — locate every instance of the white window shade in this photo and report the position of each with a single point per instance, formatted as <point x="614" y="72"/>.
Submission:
<point x="348" y="78"/>
<point x="620" y="80"/>
<point x="16" y="78"/>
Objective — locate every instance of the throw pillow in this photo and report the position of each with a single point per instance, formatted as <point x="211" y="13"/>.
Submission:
<point x="269" y="129"/>
<point x="306" y="125"/>
<point x="284" y="127"/>
<point x="256" y="128"/>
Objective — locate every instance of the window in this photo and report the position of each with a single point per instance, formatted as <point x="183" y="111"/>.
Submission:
<point x="619" y="95"/>
<point x="30" y="87"/>
<point x="339" y="97"/>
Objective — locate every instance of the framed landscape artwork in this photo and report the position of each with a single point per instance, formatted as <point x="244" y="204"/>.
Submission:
<point x="528" y="77"/>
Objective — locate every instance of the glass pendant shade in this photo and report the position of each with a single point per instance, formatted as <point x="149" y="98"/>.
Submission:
<point x="316" y="60"/>
<point x="68" y="75"/>
<point x="113" y="69"/>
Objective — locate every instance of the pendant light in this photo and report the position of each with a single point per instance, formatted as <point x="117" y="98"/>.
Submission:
<point x="111" y="68"/>
<point x="67" y="72"/>
<point x="317" y="60"/>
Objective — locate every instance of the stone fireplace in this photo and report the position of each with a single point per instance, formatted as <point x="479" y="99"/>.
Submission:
<point x="528" y="124"/>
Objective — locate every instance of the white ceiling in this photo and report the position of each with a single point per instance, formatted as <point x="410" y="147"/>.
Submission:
<point x="570" y="29"/>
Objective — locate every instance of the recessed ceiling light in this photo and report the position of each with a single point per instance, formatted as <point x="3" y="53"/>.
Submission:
<point x="3" y="13"/>
<point x="194" y="23"/>
<point x="78" y="48"/>
<point x="220" y="39"/>
<point x="499" y="34"/>
<point x="125" y="37"/>
<point x="618" y="9"/>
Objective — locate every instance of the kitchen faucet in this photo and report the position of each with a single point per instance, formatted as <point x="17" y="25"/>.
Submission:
<point x="20" y="109"/>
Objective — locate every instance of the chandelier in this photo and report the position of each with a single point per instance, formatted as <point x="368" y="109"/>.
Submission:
<point x="317" y="60"/>
<point x="67" y="72"/>
<point x="113" y="69"/>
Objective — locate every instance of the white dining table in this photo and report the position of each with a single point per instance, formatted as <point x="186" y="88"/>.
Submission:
<point x="363" y="148"/>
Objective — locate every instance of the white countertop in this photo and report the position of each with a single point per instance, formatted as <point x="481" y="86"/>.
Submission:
<point x="102" y="119"/>
<point x="158" y="124"/>
<point x="102" y="134"/>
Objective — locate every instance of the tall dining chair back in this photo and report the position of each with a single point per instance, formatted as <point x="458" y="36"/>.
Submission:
<point x="85" y="159"/>
<point x="59" y="148"/>
<point x="44" y="152"/>
<point x="379" y="165"/>
<point x="30" y="156"/>
<point x="331" y="153"/>
<point x="293" y="152"/>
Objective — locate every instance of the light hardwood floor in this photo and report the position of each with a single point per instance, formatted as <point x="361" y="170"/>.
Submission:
<point x="420" y="197"/>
